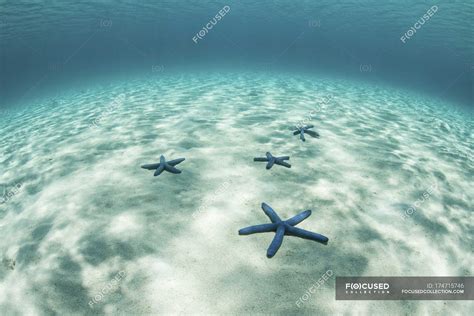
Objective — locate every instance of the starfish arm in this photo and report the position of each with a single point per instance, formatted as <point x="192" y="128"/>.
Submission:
<point x="276" y="242"/>
<point x="302" y="136"/>
<point x="313" y="134"/>
<point x="175" y="162"/>
<point x="172" y="169"/>
<point x="260" y="159"/>
<point x="270" y="163"/>
<point x="283" y="158"/>
<point x="159" y="170"/>
<point x="298" y="218"/>
<point x="162" y="159"/>
<point x="271" y="213"/>
<point x="296" y="132"/>
<point x="298" y="232"/>
<point x="269" y="155"/>
<point x="152" y="166"/>
<point x="282" y="163"/>
<point x="263" y="228"/>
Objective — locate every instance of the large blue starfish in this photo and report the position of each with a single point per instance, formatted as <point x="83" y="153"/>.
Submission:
<point x="305" y="129"/>
<point x="164" y="165"/>
<point x="274" y="160"/>
<point x="282" y="228"/>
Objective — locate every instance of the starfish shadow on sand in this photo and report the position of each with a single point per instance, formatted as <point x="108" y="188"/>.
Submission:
<point x="305" y="130"/>
<point x="274" y="160"/>
<point x="164" y="165"/>
<point x="283" y="228"/>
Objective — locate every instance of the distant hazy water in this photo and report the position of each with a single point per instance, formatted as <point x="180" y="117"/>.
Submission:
<point x="45" y="45"/>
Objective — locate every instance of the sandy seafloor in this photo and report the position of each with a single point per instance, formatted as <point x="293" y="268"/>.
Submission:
<point x="85" y="210"/>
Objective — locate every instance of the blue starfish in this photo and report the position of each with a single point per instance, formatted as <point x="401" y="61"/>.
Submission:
<point x="305" y="129"/>
<point x="282" y="228"/>
<point x="274" y="160"/>
<point x="164" y="165"/>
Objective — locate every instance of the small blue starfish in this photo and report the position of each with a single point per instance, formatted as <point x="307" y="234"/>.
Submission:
<point x="282" y="228"/>
<point x="274" y="160"/>
<point x="305" y="129"/>
<point x="164" y="165"/>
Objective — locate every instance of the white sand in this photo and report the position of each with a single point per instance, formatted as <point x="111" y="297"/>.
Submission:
<point x="86" y="211"/>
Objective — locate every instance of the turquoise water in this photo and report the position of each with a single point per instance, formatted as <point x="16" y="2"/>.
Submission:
<point x="46" y="44"/>
<point x="90" y="91"/>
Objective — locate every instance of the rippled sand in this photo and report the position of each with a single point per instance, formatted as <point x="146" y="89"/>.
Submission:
<point x="86" y="217"/>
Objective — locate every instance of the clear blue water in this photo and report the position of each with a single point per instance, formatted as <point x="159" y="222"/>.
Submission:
<point x="91" y="90"/>
<point x="47" y="44"/>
